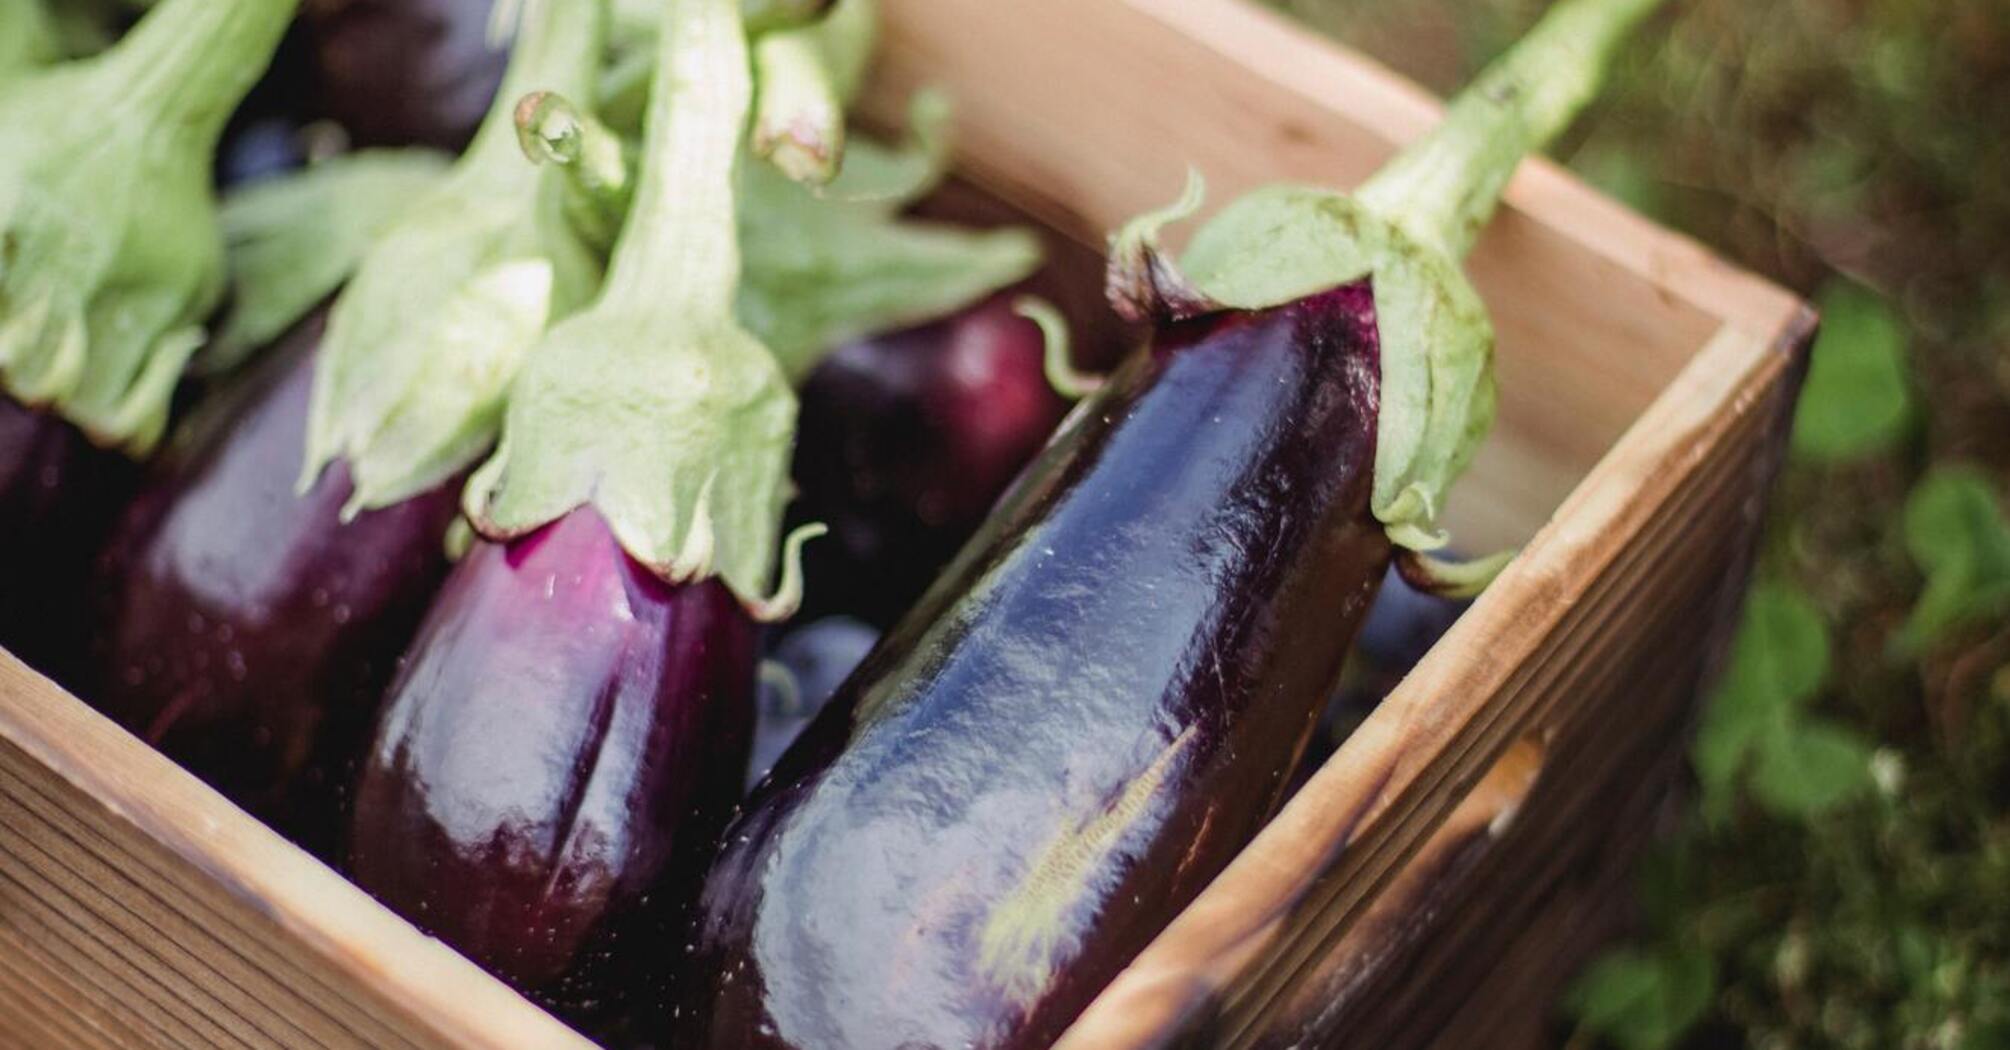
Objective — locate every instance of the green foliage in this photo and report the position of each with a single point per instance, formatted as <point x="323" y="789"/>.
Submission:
<point x="1757" y="729"/>
<point x="1856" y="402"/>
<point x="1957" y="534"/>
<point x="1644" y="1001"/>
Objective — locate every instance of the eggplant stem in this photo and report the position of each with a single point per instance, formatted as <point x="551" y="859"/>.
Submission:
<point x="1445" y="578"/>
<point x="798" y="120"/>
<point x="1058" y="360"/>
<point x="191" y="57"/>
<point x="1444" y="188"/>
<point x="681" y="256"/>
<point x="599" y="181"/>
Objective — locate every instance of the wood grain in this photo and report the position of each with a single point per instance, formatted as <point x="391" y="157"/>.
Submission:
<point x="1642" y="386"/>
<point x="1565" y="608"/>
<point x="137" y="903"/>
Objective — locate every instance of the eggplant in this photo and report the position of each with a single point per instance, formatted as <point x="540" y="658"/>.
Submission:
<point x="114" y="258"/>
<point x="569" y="732"/>
<point x="260" y="594"/>
<point x="59" y="495"/>
<point x="1102" y="699"/>
<point x="1036" y="789"/>
<point x="572" y="723"/>
<point x="248" y="630"/>
<point x="907" y="440"/>
<point x="404" y="72"/>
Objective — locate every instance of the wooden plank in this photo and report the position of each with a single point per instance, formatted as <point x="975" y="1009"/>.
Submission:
<point x="1087" y="114"/>
<point x="338" y="969"/>
<point x="1395" y="780"/>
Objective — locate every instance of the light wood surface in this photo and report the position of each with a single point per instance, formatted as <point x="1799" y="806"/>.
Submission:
<point x="1642" y="384"/>
<point x="138" y="908"/>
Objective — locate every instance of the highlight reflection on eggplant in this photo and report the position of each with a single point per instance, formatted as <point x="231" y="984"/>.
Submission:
<point x="571" y="724"/>
<point x="1101" y="701"/>
<point x="568" y="734"/>
<point x="247" y="631"/>
<point x="113" y="260"/>
<point x="1073" y="733"/>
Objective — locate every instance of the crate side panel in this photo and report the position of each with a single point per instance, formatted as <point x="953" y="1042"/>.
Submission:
<point x="128" y="883"/>
<point x="1394" y="781"/>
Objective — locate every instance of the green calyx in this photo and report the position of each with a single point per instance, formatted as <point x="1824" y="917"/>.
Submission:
<point x="295" y="238"/>
<point x="820" y="266"/>
<point x="1405" y="231"/>
<point x="28" y="37"/>
<point x="823" y="268"/>
<point x="424" y="342"/>
<point x="654" y="406"/>
<point x="110" y="252"/>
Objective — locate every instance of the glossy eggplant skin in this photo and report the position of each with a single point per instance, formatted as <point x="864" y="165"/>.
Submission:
<point x="403" y="72"/>
<point x="1081" y="724"/>
<point x="59" y="495"/>
<point x="554" y="762"/>
<point x="906" y="440"/>
<point x="243" y="628"/>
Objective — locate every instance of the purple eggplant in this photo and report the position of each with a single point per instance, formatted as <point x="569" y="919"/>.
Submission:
<point x="989" y="792"/>
<point x="907" y="440"/>
<point x="571" y="726"/>
<point x="1102" y="699"/>
<point x="113" y="258"/>
<point x="247" y="630"/>
<point x="404" y="72"/>
<point x="58" y="498"/>
<point x="568" y="732"/>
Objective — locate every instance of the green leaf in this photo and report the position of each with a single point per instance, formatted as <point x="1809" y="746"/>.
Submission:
<point x="1644" y="1001"/>
<point x="293" y="240"/>
<point x="1856" y="402"/>
<point x="1807" y="768"/>
<point x="1778" y="661"/>
<point x="1957" y="534"/>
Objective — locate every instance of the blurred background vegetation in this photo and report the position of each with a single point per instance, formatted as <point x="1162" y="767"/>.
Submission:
<point x="1842" y="878"/>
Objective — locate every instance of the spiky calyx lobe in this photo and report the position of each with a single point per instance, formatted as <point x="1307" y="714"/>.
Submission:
<point x="424" y="342"/>
<point x="654" y="406"/>
<point x="1406" y="230"/>
<point x="113" y="256"/>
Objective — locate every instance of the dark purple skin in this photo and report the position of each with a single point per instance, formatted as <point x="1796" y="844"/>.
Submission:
<point x="59" y="495"/>
<point x="906" y="441"/>
<point x="403" y="72"/>
<point x="1081" y="724"/>
<point x="244" y="629"/>
<point x="554" y="762"/>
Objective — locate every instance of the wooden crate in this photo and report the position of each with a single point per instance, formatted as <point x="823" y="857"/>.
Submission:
<point x="1644" y="386"/>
